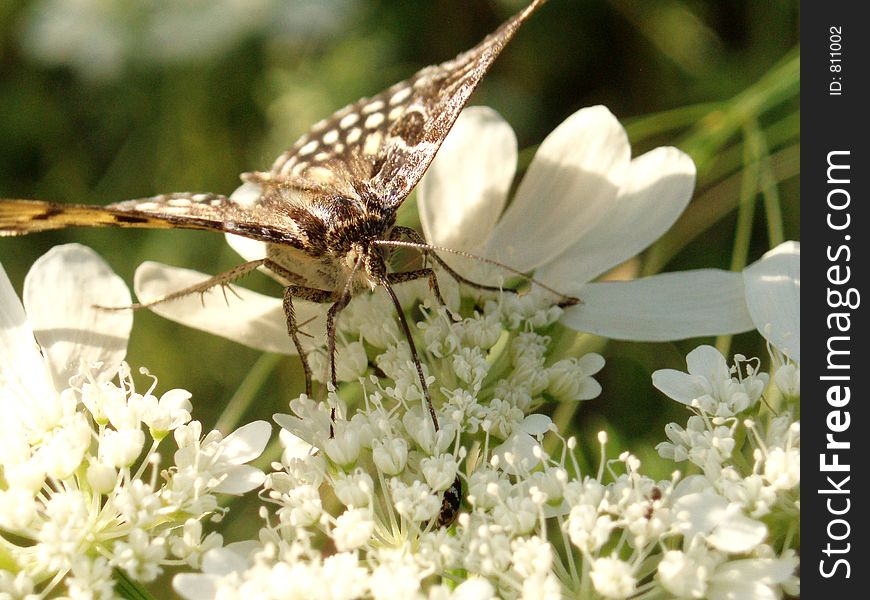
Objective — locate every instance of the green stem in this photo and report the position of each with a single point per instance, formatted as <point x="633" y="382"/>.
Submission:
<point x="752" y="150"/>
<point x="247" y="392"/>
<point x="130" y="589"/>
<point x="748" y="195"/>
<point x="647" y="126"/>
<point x="717" y="128"/>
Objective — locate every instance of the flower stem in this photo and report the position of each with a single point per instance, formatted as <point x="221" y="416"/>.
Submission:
<point x="247" y="392"/>
<point x="129" y="589"/>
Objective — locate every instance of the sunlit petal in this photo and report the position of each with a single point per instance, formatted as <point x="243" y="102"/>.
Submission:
<point x="61" y="294"/>
<point x="773" y="295"/>
<point x="670" y="306"/>
<point x="243" y="316"/>
<point x="23" y="375"/>
<point x="569" y="188"/>
<point x="657" y="190"/>
<point x="465" y="189"/>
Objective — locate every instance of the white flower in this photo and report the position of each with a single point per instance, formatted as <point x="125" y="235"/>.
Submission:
<point x="710" y="385"/>
<point x="612" y="578"/>
<point x="390" y="456"/>
<point x="60" y="293"/>
<point x="353" y="528"/>
<point x="140" y="555"/>
<point x="753" y="578"/>
<point x="74" y="451"/>
<point x="588" y="529"/>
<point x="686" y="574"/>
<point x="473" y="589"/>
<point x="582" y="208"/>
<point x="773" y="296"/>
<point x="723" y="523"/>
<point x="218" y="462"/>
<point x="415" y="502"/>
<point x="170" y="411"/>
<point x="355" y="489"/>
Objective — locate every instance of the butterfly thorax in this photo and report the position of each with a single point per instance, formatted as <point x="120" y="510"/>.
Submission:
<point x="331" y="236"/>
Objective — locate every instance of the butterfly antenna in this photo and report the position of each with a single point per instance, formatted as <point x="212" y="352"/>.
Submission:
<point x="566" y="300"/>
<point x="407" y="330"/>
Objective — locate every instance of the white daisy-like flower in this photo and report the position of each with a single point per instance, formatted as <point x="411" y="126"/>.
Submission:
<point x="582" y="208"/>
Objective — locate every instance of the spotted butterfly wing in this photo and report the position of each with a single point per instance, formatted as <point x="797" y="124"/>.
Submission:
<point x="381" y="145"/>
<point x="389" y="140"/>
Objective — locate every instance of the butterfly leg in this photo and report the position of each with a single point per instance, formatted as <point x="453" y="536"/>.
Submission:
<point x="223" y="280"/>
<point x="306" y="293"/>
<point x="420" y="274"/>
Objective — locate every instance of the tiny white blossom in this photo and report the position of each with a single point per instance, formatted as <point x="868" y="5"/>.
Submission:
<point x="353" y="528"/>
<point x="612" y="578"/>
<point x="391" y="455"/>
<point x="416" y="502"/>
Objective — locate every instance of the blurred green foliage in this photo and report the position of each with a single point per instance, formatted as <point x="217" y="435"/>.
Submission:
<point x="120" y="100"/>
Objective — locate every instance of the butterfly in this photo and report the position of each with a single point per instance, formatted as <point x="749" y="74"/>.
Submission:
<point x="327" y="207"/>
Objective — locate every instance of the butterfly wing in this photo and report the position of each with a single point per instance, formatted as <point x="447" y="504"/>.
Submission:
<point x="167" y="211"/>
<point x="383" y="144"/>
<point x="389" y="140"/>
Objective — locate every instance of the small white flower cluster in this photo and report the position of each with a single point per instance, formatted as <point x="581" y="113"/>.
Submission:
<point x="82" y="488"/>
<point x="383" y="488"/>
<point x="751" y="478"/>
<point x="384" y="485"/>
<point x="84" y="491"/>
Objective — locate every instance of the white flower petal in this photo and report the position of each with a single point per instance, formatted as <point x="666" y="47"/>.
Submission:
<point x="246" y="317"/>
<point x="658" y="188"/>
<point x="536" y="424"/>
<point x="240" y="479"/>
<point x="465" y="189"/>
<point x="61" y="292"/>
<point x="678" y="386"/>
<point x="736" y="532"/>
<point x="294" y="446"/>
<point x="247" y="194"/>
<point x="23" y="374"/>
<point x="518" y="454"/>
<point x="193" y="586"/>
<point x="669" y="306"/>
<point x="700" y="512"/>
<point x="569" y="187"/>
<point x="223" y="561"/>
<point x="768" y="571"/>
<point x="245" y="247"/>
<point x="740" y="590"/>
<point x="773" y="294"/>
<point x="473" y="589"/>
<point x="246" y="443"/>
<point x="707" y="362"/>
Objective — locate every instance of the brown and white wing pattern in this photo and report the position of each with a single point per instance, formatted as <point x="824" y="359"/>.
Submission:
<point x="382" y="145"/>
<point x="166" y="211"/>
<point x="388" y="141"/>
